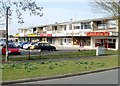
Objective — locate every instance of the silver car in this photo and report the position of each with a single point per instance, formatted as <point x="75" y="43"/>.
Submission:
<point x="2" y="42"/>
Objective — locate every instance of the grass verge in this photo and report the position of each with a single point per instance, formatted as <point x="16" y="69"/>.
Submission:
<point x="50" y="68"/>
<point x="64" y="55"/>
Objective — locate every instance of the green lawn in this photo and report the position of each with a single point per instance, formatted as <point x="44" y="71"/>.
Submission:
<point x="50" y="68"/>
<point x="65" y="55"/>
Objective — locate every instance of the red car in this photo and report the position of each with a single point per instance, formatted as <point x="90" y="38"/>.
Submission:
<point x="12" y="49"/>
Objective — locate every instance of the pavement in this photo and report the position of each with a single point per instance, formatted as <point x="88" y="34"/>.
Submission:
<point x="55" y="77"/>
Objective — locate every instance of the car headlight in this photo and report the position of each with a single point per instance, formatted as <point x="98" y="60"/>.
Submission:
<point x="9" y="51"/>
<point x="18" y="50"/>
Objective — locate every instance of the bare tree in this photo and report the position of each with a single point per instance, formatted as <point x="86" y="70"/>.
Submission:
<point x="6" y="10"/>
<point x="111" y="8"/>
<point x="19" y="6"/>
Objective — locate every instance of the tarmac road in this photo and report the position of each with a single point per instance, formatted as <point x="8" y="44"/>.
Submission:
<point x="106" y="77"/>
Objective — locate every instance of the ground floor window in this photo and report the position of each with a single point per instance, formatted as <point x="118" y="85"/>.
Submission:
<point x="44" y="39"/>
<point x="107" y="43"/>
<point x="53" y="41"/>
<point x="68" y="41"/>
<point x="49" y="40"/>
<point x="34" y="39"/>
<point x="81" y="41"/>
<point x="21" y="39"/>
<point x="65" y="41"/>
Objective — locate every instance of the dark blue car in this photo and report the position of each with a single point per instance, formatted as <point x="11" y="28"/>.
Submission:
<point x="23" y="43"/>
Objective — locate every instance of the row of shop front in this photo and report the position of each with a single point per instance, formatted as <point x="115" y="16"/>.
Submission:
<point x="92" y="39"/>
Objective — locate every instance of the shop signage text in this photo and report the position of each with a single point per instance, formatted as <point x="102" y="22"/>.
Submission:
<point x="45" y="35"/>
<point x="98" y="34"/>
<point x="31" y="35"/>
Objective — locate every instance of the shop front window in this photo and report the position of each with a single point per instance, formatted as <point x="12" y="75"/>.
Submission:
<point x="69" y="41"/>
<point x="82" y="41"/>
<point x="53" y="41"/>
<point x="87" y="42"/>
<point x="111" y="43"/>
<point x="107" y="43"/>
<point x="65" y="40"/>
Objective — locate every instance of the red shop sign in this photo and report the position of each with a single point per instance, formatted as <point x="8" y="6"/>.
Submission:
<point x="46" y="35"/>
<point x="98" y="34"/>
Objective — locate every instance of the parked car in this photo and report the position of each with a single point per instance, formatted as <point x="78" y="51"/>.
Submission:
<point x="29" y="46"/>
<point x="44" y="46"/>
<point x="17" y="44"/>
<point x="2" y="43"/>
<point x="23" y="43"/>
<point x="12" y="49"/>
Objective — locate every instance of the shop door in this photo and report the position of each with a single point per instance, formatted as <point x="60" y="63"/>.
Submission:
<point x="61" y="41"/>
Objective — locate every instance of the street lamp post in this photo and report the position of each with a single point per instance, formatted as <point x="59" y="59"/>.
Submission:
<point x="56" y="27"/>
<point x="7" y="9"/>
<point x="72" y="33"/>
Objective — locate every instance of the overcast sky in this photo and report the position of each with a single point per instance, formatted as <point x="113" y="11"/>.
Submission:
<point x="56" y="12"/>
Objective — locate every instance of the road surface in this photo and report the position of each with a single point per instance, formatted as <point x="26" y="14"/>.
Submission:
<point x="106" y="77"/>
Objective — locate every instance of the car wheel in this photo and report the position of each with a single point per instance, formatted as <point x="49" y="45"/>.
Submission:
<point x="3" y="53"/>
<point x="19" y="53"/>
<point x="28" y="48"/>
<point x="54" y="49"/>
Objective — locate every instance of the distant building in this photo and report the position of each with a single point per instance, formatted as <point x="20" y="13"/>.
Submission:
<point x="2" y="33"/>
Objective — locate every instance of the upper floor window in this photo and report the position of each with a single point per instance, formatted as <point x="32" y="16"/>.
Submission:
<point x="55" y="27"/>
<point x="65" y="28"/>
<point x="111" y="23"/>
<point x="85" y="26"/>
<point x="76" y="27"/>
<point x="70" y="26"/>
<point x="34" y="29"/>
<point x="102" y="25"/>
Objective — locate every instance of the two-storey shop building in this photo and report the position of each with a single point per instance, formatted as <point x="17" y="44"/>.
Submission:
<point x="86" y="34"/>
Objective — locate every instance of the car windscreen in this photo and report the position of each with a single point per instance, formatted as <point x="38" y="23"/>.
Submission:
<point x="11" y="46"/>
<point x="44" y="44"/>
<point x="33" y="43"/>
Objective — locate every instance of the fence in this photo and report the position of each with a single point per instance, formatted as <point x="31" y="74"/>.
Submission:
<point x="25" y="54"/>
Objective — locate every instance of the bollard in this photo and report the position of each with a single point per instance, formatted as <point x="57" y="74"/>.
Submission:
<point x="29" y="55"/>
<point x="40" y="53"/>
<point x="2" y="58"/>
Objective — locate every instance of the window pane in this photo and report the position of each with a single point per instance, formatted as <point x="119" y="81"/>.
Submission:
<point x="111" y="23"/>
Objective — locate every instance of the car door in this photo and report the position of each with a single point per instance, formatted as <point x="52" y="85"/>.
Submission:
<point x="43" y="46"/>
<point x="47" y="46"/>
<point x="4" y="50"/>
<point x="39" y="46"/>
